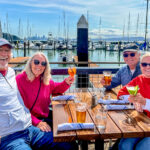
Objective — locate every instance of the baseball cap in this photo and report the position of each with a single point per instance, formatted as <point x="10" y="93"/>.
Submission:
<point x="131" y="48"/>
<point x="4" y="42"/>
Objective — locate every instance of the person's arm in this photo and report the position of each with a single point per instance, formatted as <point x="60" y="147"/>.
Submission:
<point x="116" y="80"/>
<point x="61" y="87"/>
<point x="147" y="104"/>
<point x="124" y="91"/>
<point x="43" y="126"/>
<point x="35" y="120"/>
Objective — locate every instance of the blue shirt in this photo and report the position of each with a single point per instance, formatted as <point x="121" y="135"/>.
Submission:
<point x="14" y="116"/>
<point x="124" y="76"/>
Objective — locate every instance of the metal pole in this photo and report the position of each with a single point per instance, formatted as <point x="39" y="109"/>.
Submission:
<point x="146" y="24"/>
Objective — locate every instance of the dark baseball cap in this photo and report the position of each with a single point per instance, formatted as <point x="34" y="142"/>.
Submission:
<point x="131" y="48"/>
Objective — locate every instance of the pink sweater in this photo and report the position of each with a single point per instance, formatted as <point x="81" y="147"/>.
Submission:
<point x="29" y="90"/>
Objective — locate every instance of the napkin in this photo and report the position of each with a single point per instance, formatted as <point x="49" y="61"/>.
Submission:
<point x="118" y="107"/>
<point x="112" y="101"/>
<point x="64" y="97"/>
<point x="74" y="126"/>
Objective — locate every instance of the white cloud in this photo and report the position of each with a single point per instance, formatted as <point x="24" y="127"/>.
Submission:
<point x="114" y="13"/>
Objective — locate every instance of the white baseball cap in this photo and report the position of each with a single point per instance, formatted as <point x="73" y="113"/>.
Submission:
<point x="4" y="42"/>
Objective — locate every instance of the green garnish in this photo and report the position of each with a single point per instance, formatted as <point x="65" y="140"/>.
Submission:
<point x="133" y="90"/>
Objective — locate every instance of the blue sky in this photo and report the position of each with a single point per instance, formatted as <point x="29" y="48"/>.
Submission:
<point x="43" y="16"/>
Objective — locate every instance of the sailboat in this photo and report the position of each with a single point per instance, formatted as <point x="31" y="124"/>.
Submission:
<point x="50" y="42"/>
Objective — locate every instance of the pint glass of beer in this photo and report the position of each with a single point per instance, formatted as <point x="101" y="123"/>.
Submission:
<point x="81" y="112"/>
<point x="107" y="77"/>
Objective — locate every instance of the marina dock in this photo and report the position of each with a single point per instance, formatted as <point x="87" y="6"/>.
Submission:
<point x="17" y="61"/>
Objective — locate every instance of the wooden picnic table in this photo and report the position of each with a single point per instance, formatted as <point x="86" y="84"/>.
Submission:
<point x="64" y="112"/>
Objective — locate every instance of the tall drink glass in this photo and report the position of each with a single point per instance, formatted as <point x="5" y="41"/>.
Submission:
<point x="81" y="112"/>
<point x="107" y="77"/>
<point x="101" y="119"/>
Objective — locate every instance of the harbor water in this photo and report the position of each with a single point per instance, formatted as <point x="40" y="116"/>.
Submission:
<point x="94" y="56"/>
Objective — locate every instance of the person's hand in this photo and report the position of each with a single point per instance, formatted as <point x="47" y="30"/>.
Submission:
<point x="44" y="126"/>
<point x="137" y="99"/>
<point x="138" y="107"/>
<point x="69" y="80"/>
<point x="102" y="81"/>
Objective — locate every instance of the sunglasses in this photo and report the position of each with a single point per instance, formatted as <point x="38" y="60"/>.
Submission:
<point x="37" y="62"/>
<point x="145" y="64"/>
<point x="126" y="55"/>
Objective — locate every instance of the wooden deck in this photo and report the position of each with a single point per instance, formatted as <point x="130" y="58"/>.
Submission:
<point x="17" y="60"/>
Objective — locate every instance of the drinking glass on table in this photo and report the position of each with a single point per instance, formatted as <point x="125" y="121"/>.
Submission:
<point x="81" y="112"/>
<point x="100" y="119"/>
<point x="78" y="95"/>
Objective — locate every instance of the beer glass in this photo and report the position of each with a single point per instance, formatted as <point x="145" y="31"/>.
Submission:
<point x="81" y="112"/>
<point x="107" y="77"/>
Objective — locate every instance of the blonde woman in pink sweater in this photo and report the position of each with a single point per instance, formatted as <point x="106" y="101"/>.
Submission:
<point x="36" y="87"/>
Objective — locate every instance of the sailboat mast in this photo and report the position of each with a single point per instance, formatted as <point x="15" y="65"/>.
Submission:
<point x="146" y="24"/>
<point x="19" y="28"/>
<point x="64" y="15"/>
<point x="1" y="33"/>
<point x="128" y="26"/>
<point x="123" y="31"/>
<point x="137" y="26"/>
<point x="58" y="34"/>
<point x="7" y="22"/>
<point x="100" y="29"/>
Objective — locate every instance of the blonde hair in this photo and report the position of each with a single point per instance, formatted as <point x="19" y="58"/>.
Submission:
<point x="147" y="54"/>
<point x="46" y="74"/>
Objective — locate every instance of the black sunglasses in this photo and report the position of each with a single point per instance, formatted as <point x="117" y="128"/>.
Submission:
<point x="126" y="55"/>
<point x="37" y="62"/>
<point x="145" y="64"/>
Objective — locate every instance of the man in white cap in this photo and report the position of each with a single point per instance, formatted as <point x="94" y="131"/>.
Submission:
<point x="16" y="130"/>
<point x="126" y="73"/>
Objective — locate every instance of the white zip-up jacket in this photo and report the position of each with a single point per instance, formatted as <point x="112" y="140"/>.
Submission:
<point x="14" y="116"/>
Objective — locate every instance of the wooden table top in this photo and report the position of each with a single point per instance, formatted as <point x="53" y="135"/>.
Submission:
<point x="64" y="112"/>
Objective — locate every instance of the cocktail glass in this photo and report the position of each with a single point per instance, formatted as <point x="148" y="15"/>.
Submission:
<point x="72" y="71"/>
<point x="132" y="91"/>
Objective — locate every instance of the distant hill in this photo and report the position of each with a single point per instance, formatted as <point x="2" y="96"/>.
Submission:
<point x="10" y="37"/>
<point x="120" y="39"/>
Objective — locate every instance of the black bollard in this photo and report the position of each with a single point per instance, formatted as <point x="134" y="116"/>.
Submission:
<point x="17" y="43"/>
<point x="82" y="50"/>
<point x="24" y="49"/>
<point x="54" y="45"/>
<point x="28" y="45"/>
